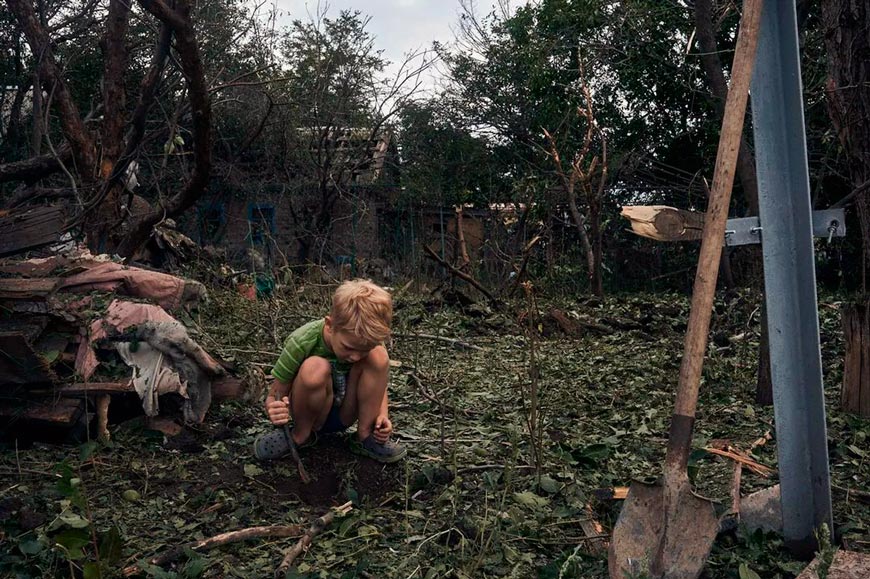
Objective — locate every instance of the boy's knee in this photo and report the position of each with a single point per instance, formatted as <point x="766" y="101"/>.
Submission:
<point x="315" y="372"/>
<point x="378" y="358"/>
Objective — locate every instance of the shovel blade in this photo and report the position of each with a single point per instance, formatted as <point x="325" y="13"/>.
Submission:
<point x="659" y="537"/>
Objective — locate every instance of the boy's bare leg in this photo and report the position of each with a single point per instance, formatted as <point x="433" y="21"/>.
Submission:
<point x="366" y="387"/>
<point x="311" y="397"/>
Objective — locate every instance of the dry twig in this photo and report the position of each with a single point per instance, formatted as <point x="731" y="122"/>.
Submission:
<point x="316" y="528"/>
<point x="458" y="343"/>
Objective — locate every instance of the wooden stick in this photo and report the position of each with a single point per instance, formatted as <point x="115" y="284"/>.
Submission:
<point x="460" y="235"/>
<point x="849" y="493"/>
<point x="303" y="474"/>
<point x="304" y="542"/>
<point x="445" y="339"/>
<point x="103" y="401"/>
<point x="427" y="394"/>
<point x="704" y="288"/>
<point x="219" y="540"/>
<point x="611" y="494"/>
<point x="594" y="531"/>
<point x="481" y="467"/>
<point x="735" y="487"/>
<point x="527" y="252"/>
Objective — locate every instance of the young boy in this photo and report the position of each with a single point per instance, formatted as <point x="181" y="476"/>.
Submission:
<point x="333" y="372"/>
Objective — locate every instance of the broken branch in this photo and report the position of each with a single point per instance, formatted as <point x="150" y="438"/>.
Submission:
<point x="304" y="543"/>
<point x="741" y="457"/>
<point x="460" y="274"/>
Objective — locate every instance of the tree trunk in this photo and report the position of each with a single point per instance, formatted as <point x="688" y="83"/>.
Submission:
<point x="580" y="223"/>
<point x="36" y="135"/>
<point x="597" y="278"/>
<point x="855" y="396"/>
<point x="100" y="160"/>
<point x="719" y="87"/>
<point x="846" y="24"/>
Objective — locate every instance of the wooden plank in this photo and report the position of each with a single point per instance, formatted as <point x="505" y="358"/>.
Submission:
<point x="64" y="411"/>
<point x="20" y="365"/>
<point x="29" y="326"/>
<point x="23" y="288"/>
<point x="855" y="393"/>
<point x="31" y="228"/>
<point x="81" y="388"/>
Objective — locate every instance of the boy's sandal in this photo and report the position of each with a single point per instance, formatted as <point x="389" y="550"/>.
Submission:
<point x="387" y="452"/>
<point x="275" y="444"/>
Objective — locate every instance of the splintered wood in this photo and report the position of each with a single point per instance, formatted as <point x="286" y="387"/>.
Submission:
<point x="724" y="449"/>
<point x="664" y="223"/>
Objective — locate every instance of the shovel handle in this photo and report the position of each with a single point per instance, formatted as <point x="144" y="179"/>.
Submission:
<point x="714" y="231"/>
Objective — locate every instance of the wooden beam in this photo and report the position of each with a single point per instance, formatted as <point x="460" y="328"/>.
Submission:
<point x="64" y="411"/>
<point x="24" y="289"/>
<point x="90" y="388"/>
<point x="664" y="223"/>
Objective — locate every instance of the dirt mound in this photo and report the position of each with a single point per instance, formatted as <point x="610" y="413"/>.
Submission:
<point x="336" y="476"/>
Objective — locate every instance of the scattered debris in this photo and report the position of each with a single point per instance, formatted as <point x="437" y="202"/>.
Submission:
<point x="220" y="540"/>
<point x="71" y="332"/>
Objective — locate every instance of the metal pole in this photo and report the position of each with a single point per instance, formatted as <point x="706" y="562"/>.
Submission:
<point x="790" y="279"/>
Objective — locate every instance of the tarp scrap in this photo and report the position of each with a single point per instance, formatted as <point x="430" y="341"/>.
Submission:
<point x="152" y="376"/>
<point x="81" y="272"/>
<point x="168" y="291"/>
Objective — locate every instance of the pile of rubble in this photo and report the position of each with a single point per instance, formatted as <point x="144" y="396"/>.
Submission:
<point x="79" y="330"/>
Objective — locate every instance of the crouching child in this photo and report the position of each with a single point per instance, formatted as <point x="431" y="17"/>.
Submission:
<point x="332" y="373"/>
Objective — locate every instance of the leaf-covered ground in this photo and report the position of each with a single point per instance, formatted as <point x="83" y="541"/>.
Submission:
<point x="468" y="501"/>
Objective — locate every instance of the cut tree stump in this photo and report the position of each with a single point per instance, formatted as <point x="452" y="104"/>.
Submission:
<point x="855" y="395"/>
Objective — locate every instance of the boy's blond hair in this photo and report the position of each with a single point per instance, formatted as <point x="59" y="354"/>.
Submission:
<point x="363" y="309"/>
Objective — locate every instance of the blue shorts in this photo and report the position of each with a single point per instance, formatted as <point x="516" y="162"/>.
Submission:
<point x="333" y="422"/>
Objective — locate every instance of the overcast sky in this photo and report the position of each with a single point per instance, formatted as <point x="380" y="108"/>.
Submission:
<point x="399" y="26"/>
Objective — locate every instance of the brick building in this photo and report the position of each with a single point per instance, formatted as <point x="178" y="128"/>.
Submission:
<point x="270" y="217"/>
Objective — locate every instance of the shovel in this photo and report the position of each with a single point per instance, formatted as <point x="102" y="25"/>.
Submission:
<point x="667" y="531"/>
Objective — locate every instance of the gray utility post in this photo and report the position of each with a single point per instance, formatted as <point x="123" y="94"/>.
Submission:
<point x="790" y="278"/>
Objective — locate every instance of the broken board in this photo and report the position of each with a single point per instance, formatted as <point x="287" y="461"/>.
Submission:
<point x="20" y="365"/>
<point x="30" y="229"/>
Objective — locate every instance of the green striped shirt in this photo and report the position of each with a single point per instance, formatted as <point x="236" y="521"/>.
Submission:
<point x="303" y="343"/>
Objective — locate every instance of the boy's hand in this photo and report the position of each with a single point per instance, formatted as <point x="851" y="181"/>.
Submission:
<point x="278" y="411"/>
<point x="383" y="428"/>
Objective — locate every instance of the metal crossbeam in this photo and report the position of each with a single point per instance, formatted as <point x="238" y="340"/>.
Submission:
<point x="828" y="223"/>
